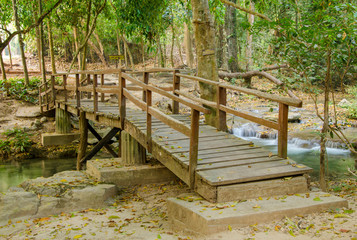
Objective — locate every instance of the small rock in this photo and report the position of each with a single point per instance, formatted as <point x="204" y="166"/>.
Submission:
<point x="37" y="123"/>
<point x="294" y="117"/>
<point x="43" y="119"/>
<point x="344" y="103"/>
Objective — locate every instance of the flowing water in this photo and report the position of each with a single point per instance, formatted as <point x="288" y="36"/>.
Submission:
<point x="14" y="173"/>
<point x="302" y="151"/>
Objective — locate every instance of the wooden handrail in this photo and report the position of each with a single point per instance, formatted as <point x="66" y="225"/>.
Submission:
<point x="286" y="100"/>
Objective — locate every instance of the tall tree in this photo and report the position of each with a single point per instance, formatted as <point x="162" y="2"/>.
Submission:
<point x="21" y="41"/>
<point x="205" y="52"/>
<point x="231" y="32"/>
<point x="42" y="44"/>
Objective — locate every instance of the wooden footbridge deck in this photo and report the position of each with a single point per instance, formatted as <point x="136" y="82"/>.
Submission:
<point x="216" y="164"/>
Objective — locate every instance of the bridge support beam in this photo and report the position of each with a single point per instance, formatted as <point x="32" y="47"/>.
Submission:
<point x="132" y="152"/>
<point x="63" y="121"/>
<point x="83" y="140"/>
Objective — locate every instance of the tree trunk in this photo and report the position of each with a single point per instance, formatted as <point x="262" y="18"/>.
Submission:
<point x="179" y="50"/>
<point x="119" y="49"/>
<point x="76" y="44"/>
<point x="231" y="31"/>
<point x="51" y="47"/>
<point x="2" y="65"/>
<point x="143" y="52"/>
<point x="249" y="49"/>
<point x="206" y="56"/>
<point x="9" y="48"/>
<point x="161" y="55"/>
<point x="220" y="42"/>
<point x="42" y="44"/>
<point x="84" y="53"/>
<point x="128" y="52"/>
<point x="188" y="46"/>
<point x="325" y="127"/>
<point x="21" y="42"/>
<point x="98" y="52"/>
<point x="172" y="46"/>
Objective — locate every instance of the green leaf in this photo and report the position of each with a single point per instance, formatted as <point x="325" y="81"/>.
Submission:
<point x="317" y="199"/>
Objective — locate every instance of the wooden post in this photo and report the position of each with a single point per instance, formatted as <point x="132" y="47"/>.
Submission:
<point x="89" y="95"/>
<point x="283" y="130"/>
<point x="102" y="84"/>
<point x="95" y="94"/>
<point x="195" y="117"/>
<point x="83" y="140"/>
<point x="148" y="121"/>
<point x="132" y="153"/>
<point x="40" y="98"/>
<point x="176" y="86"/>
<point x="53" y="83"/>
<point x="221" y="115"/>
<point x="46" y="95"/>
<point x="121" y="99"/>
<point x="78" y="96"/>
<point x="65" y="88"/>
<point x="63" y="121"/>
<point x="146" y="81"/>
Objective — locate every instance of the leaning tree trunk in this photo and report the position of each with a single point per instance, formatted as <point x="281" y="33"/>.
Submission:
<point x="21" y="42"/>
<point x="206" y="55"/>
<point x="128" y="52"/>
<point x="231" y="31"/>
<point x="2" y="65"/>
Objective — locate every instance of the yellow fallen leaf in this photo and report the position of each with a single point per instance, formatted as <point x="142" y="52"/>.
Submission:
<point x="77" y="236"/>
<point x="63" y="180"/>
<point x="229" y="228"/>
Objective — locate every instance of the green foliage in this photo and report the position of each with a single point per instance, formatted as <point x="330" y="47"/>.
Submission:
<point x="18" y="90"/>
<point x="17" y="141"/>
<point x="352" y="108"/>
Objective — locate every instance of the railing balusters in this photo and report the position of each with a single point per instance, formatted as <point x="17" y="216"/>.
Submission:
<point x="46" y="98"/>
<point x="195" y="117"/>
<point x="283" y="130"/>
<point x="53" y="83"/>
<point x="95" y="93"/>
<point x="148" y="121"/>
<point x="40" y="98"/>
<point x="176" y="86"/>
<point x="221" y="115"/>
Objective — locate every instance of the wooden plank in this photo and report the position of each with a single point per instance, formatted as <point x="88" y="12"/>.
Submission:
<point x="252" y="172"/>
<point x="236" y="162"/>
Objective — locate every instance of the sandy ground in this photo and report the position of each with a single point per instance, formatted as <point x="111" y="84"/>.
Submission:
<point x="140" y="213"/>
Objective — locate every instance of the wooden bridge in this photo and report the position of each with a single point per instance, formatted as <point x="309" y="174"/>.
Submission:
<point x="217" y="165"/>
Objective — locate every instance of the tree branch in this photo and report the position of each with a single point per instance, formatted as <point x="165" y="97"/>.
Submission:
<point x="246" y="10"/>
<point x="28" y="29"/>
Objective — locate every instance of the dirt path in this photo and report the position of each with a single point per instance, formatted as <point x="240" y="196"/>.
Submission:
<point x="140" y="213"/>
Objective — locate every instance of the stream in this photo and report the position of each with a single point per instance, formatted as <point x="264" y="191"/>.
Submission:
<point x="302" y="151"/>
<point x="14" y="173"/>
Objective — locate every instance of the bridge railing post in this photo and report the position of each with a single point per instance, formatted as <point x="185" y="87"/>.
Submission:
<point x="283" y="130"/>
<point x="146" y="81"/>
<point x="176" y="86"/>
<point x="53" y="89"/>
<point x="46" y="95"/>
<point x="195" y="117"/>
<point x="121" y="100"/>
<point x="78" y="96"/>
<point x="64" y="77"/>
<point x="148" y="121"/>
<point x="95" y="93"/>
<point x="102" y="85"/>
<point x="89" y="95"/>
<point x="221" y="115"/>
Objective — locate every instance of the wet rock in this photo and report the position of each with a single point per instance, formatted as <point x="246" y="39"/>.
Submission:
<point x="64" y="192"/>
<point x="28" y="112"/>
<point x="292" y="117"/>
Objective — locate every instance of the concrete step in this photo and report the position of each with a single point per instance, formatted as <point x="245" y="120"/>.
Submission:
<point x="194" y="215"/>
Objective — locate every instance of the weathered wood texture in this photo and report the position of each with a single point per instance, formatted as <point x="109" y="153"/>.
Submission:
<point x="206" y="159"/>
<point x="63" y="121"/>
<point x="133" y="153"/>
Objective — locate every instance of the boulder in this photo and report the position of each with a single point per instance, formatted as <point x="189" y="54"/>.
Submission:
<point x="344" y="103"/>
<point x="28" y="112"/>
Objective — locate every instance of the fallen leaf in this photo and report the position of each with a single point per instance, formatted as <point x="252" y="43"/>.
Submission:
<point x="229" y="228"/>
